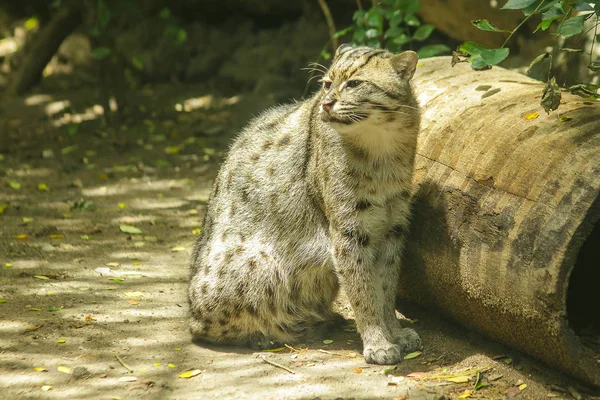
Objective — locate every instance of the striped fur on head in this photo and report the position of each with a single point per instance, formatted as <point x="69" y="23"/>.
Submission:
<point x="366" y="87"/>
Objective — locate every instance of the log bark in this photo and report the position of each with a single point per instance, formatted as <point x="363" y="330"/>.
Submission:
<point x="504" y="205"/>
<point x="45" y="45"/>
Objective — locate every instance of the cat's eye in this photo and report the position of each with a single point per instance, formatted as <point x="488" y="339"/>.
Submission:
<point x="326" y="85"/>
<point x="353" y="83"/>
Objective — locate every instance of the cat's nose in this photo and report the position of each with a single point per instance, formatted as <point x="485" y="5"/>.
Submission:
<point x="327" y="104"/>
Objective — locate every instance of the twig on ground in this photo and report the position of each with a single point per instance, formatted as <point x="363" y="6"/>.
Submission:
<point x="329" y="352"/>
<point x="123" y="363"/>
<point x="278" y="365"/>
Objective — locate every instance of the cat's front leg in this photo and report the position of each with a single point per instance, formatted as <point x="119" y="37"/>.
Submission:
<point x="362" y="276"/>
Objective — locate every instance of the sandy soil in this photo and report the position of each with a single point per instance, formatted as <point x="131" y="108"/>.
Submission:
<point x="89" y="311"/>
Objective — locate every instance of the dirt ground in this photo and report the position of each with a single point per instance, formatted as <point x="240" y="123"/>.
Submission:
<point x="96" y="229"/>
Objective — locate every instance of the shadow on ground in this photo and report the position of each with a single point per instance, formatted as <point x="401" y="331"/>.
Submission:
<point x="92" y="309"/>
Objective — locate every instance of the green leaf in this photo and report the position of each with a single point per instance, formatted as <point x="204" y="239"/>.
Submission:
<point x="478" y="64"/>
<point x="15" y="185"/>
<point x="327" y="341"/>
<point x="534" y="7"/>
<point x="164" y="13"/>
<point x="545" y="24"/>
<point x="130" y="229"/>
<point x="372" y="33"/>
<point x="401" y="40"/>
<point x="181" y="36"/>
<point x="536" y="61"/>
<point x="486" y="25"/>
<point x="494" y="56"/>
<point x="409" y="6"/>
<point x="137" y="63"/>
<point x="414" y="354"/>
<point x="423" y="32"/>
<point x="572" y="26"/>
<point x="103" y="14"/>
<point x="359" y="18"/>
<point x="32" y="23"/>
<point x="583" y="6"/>
<point x="551" y="96"/>
<point x="393" y="32"/>
<point x="374" y="20"/>
<point x="411" y="20"/>
<point x="72" y="129"/>
<point x="397" y="19"/>
<point x="471" y="48"/>
<point x="68" y="150"/>
<point x="553" y="12"/>
<point x="359" y="36"/>
<point x="517" y="4"/>
<point x="100" y="53"/>
<point x="433" y="50"/>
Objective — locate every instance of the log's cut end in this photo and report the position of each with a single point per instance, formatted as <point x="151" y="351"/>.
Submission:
<point x="505" y="235"/>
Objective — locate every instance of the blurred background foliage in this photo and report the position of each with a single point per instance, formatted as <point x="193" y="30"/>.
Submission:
<point x="258" y="45"/>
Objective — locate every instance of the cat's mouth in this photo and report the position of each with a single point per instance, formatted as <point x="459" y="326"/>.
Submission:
<point x="326" y="117"/>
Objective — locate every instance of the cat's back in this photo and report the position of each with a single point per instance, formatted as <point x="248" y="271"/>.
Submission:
<point x="262" y="184"/>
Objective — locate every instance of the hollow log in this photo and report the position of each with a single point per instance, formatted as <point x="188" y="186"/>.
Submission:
<point x="506" y="233"/>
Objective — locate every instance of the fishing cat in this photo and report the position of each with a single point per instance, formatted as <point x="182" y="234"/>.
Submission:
<point x="314" y="195"/>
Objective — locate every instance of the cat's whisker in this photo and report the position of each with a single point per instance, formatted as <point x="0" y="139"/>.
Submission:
<point x="316" y="64"/>
<point x="314" y="77"/>
<point x="378" y="111"/>
<point x="366" y="103"/>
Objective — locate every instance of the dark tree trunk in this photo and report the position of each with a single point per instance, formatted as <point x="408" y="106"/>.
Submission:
<point x="44" y="46"/>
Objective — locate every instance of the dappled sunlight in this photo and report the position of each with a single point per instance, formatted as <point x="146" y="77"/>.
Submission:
<point x="154" y="204"/>
<point x="10" y="197"/>
<point x="33" y="172"/>
<point x="59" y="206"/>
<point x="9" y="326"/>
<point x="8" y="46"/>
<point x="56" y="107"/>
<point x="37" y="99"/>
<point x="89" y="114"/>
<point x="125" y="188"/>
<point x="206" y="102"/>
<point x="66" y="224"/>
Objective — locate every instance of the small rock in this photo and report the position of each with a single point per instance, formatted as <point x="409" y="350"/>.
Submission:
<point x="81" y="373"/>
<point x="48" y="247"/>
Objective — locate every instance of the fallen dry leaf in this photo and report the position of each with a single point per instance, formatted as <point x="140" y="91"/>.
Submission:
<point x="63" y="369"/>
<point x="531" y="116"/>
<point x="127" y="379"/>
<point x="190" y="374"/>
<point x="459" y="379"/>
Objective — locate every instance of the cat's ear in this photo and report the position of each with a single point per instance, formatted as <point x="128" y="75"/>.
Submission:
<point x="405" y="64"/>
<point x="344" y="47"/>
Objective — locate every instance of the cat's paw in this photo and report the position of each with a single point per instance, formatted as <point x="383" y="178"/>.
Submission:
<point x="383" y="355"/>
<point x="261" y="342"/>
<point x="407" y="339"/>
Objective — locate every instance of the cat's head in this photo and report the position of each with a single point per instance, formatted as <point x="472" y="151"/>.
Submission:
<point x="366" y="88"/>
